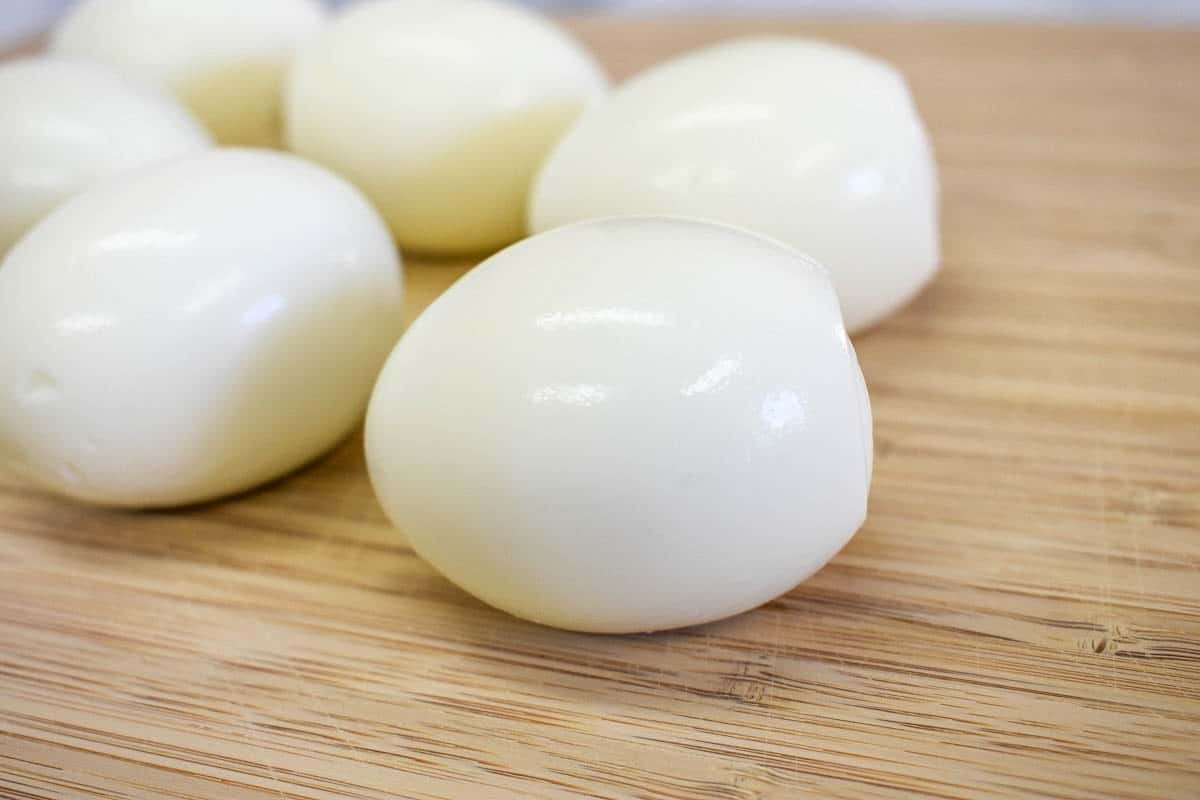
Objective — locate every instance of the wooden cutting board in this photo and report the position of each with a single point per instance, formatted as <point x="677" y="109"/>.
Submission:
<point x="1019" y="617"/>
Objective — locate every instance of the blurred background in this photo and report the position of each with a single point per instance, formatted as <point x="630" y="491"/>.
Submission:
<point x="21" y="19"/>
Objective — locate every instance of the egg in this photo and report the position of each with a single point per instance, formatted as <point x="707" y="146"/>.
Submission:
<point x="814" y="144"/>
<point x="226" y="59"/>
<point x="626" y="425"/>
<point x="192" y="329"/>
<point x="65" y="124"/>
<point x="441" y="111"/>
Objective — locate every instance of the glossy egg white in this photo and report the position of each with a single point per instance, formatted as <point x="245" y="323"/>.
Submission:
<point x="64" y="124"/>
<point x="626" y="425"/>
<point x="225" y="58"/>
<point x="441" y="111"/>
<point x="192" y="329"/>
<point x="814" y="144"/>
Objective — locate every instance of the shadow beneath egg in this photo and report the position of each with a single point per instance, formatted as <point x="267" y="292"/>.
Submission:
<point x="317" y="521"/>
<point x="312" y="558"/>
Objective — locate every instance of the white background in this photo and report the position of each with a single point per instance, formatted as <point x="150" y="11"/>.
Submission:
<point x="23" y="18"/>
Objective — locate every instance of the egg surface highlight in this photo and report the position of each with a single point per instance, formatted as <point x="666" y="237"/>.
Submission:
<point x="441" y="111"/>
<point x="626" y="425"/>
<point x="66" y="123"/>
<point x="817" y="145"/>
<point x="226" y="59"/>
<point x="192" y="329"/>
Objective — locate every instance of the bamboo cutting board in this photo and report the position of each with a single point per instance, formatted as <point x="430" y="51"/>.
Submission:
<point x="1020" y="616"/>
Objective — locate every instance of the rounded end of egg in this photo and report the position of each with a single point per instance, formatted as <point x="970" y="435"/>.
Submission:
<point x="68" y="123"/>
<point x="841" y="167"/>
<point x="455" y="177"/>
<point x="195" y="328"/>
<point x="662" y="437"/>
<point x="226" y="59"/>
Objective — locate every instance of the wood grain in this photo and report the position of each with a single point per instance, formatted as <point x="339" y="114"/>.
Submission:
<point x="1020" y="616"/>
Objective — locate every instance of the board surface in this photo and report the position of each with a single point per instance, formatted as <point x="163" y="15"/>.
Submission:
<point x="1019" y="617"/>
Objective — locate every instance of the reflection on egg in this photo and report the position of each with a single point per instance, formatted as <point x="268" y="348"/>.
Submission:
<point x="626" y="425"/>
<point x="441" y="111"/>
<point x="816" y="145"/>
<point x="225" y="58"/>
<point x="192" y="329"/>
<point x="65" y="124"/>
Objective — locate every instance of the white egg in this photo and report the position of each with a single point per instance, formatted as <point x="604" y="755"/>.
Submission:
<point x="193" y="329"/>
<point x="625" y="425"/>
<point x="441" y="111"/>
<point x="65" y="124"/>
<point x="224" y="58"/>
<point x="816" y="145"/>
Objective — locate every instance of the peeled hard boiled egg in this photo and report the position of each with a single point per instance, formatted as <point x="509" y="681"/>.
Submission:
<point x="816" y="145"/>
<point x="224" y="58"/>
<point x="65" y="124"/>
<point x="441" y="111"/>
<point x="193" y="329"/>
<point x="626" y="425"/>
